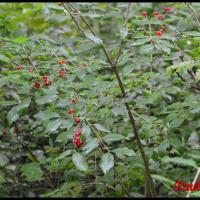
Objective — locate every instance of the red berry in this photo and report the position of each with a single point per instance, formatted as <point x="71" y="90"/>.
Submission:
<point x="78" y="120"/>
<point x="164" y="28"/>
<point x="71" y="111"/>
<point x="31" y="70"/>
<point x="144" y="13"/>
<point x="47" y="83"/>
<point x="166" y="9"/>
<point x="62" y="73"/>
<point x="160" y="17"/>
<point x="79" y="130"/>
<point x="78" y="144"/>
<point x="61" y="62"/>
<point x="78" y="133"/>
<point x="45" y="78"/>
<point x="74" y="100"/>
<point x="20" y="67"/>
<point x="36" y="85"/>
<point x="159" y="33"/>
<point x="155" y="13"/>
<point x="76" y="139"/>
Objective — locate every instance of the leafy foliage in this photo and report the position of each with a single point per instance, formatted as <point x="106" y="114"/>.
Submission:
<point x="160" y="74"/>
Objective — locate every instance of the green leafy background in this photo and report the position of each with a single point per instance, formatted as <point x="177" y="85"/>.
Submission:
<point x="37" y="156"/>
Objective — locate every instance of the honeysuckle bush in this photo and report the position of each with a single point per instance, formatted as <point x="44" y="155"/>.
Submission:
<point x="156" y="46"/>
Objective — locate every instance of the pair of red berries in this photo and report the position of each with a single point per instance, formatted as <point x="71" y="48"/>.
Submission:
<point x="155" y="14"/>
<point x="77" y="139"/>
<point x="46" y="81"/>
<point x="160" y="33"/>
<point x="21" y="67"/>
<point x="77" y="119"/>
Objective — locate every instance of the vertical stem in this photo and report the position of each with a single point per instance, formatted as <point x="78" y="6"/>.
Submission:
<point x="150" y="182"/>
<point x="194" y="181"/>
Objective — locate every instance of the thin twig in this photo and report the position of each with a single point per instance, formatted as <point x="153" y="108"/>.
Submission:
<point x="194" y="181"/>
<point x="193" y="12"/>
<point x="29" y="57"/>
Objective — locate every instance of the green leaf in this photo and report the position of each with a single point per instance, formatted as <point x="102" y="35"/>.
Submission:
<point x="195" y="110"/>
<point x="100" y="127"/>
<point x="124" y="151"/>
<point x="86" y="130"/>
<point x="53" y="125"/>
<point x="46" y="115"/>
<point x="5" y="59"/>
<point x="93" y="38"/>
<point x="55" y="165"/>
<point x="91" y="144"/>
<point x="145" y="22"/>
<point x="192" y="33"/>
<point x="112" y="137"/>
<point x="181" y="161"/>
<point x="181" y="67"/>
<point x="3" y="160"/>
<point x="176" y="122"/>
<point x="12" y="114"/>
<point x="62" y="137"/>
<point x="49" y="98"/>
<point x="107" y="162"/>
<point x="80" y="162"/>
<point x="2" y="179"/>
<point x="163" y="179"/>
<point x="31" y="171"/>
<point x="140" y="41"/>
<point x="146" y="49"/>
<point x="20" y="39"/>
<point x="64" y="154"/>
<point x="24" y="104"/>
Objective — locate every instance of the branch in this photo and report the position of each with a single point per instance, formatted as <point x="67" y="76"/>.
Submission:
<point x="194" y="181"/>
<point x="193" y="12"/>
<point x="135" y="131"/>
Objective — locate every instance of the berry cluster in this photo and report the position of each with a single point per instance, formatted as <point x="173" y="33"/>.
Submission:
<point x="77" y="142"/>
<point x="160" y="17"/>
<point x="21" y="67"/>
<point x="77" y="138"/>
<point x="45" y="80"/>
